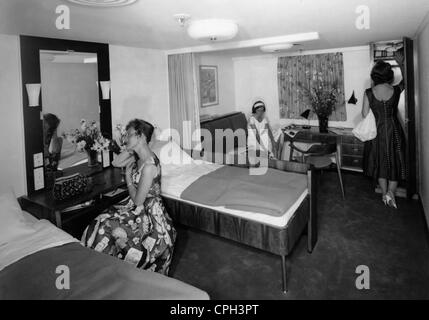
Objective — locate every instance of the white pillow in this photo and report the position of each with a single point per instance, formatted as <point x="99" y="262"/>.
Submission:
<point x="169" y="152"/>
<point x="11" y="216"/>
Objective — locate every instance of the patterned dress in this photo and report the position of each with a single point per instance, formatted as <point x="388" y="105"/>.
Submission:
<point x="384" y="156"/>
<point x="147" y="230"/>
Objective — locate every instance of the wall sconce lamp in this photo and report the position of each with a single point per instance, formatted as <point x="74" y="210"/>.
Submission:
<point x="105" y="89"/>
<point x="306" y="115"/>
<point x="33" y="92"/>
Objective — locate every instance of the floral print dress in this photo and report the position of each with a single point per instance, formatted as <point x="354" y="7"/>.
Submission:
<point x="142" y="235"/>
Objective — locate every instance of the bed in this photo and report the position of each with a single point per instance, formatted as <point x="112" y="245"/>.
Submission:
<point x="32" y="250"/>
<point x="214" y="211"/>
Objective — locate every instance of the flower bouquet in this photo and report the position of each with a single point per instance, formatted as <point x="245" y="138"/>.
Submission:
<point x="88" y="139"/>
<point x="323" y="99"/>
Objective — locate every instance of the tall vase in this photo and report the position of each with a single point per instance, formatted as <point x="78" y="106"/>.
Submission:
<point x="92" y="158"/>
<point x="323" y="124"/>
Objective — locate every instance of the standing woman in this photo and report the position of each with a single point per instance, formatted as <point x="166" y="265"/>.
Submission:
<point x="260" y="134"/>
<point x="138" y="229"/>
<point x="384" y="157"/>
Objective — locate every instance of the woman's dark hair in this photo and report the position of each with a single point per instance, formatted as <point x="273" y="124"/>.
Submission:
<point x="258" y="105"/>
<point x="141" y="127"/>
<point x="52" y="122"/>
<point x="382" y="73"/>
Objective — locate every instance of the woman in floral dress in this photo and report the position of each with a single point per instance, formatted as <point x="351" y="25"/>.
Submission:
<point x="138" y="229"/>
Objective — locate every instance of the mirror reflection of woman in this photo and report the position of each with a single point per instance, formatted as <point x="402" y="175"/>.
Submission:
<point x="52" y="143"/>
<point x="138" y="229"/>
<point x="384" y="157"/>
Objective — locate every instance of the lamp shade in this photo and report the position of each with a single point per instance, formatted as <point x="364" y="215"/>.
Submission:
<point x="105" y="89"/>
<point x="33" y="92"/>
<point x="306" y="114"/>
<point x="212" y="29"/>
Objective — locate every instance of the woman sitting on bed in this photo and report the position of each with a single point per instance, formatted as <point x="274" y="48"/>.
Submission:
<point x="138" y="229"/>
<point x="261" y="140"/>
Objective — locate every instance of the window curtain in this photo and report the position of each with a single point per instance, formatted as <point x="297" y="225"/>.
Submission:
<point x="298" y="73"/>
<point x="184" y="102"/>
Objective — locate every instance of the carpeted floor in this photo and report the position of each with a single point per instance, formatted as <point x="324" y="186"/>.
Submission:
<point x="394" y="245"/>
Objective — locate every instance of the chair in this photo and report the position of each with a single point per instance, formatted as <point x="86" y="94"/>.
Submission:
<point x="320" y="156"/>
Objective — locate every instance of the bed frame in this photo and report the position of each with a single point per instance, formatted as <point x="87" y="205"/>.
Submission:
<point x="279" y="241"/>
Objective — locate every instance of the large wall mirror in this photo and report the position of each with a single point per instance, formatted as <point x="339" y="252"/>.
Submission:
<point x="70" y="100"/>
<point x="70" y="74"/>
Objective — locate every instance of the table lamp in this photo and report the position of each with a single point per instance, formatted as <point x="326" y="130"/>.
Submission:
<point x="306" y="115"/>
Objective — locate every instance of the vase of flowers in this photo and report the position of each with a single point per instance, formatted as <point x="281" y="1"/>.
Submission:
<point x="89" y="139"/>
<point x="323" y="99"/>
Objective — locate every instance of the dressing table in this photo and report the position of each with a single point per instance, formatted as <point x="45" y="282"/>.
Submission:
<point x="74" y="214"/>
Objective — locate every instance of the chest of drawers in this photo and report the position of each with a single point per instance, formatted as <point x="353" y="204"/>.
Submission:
<point x="351" y="152"/>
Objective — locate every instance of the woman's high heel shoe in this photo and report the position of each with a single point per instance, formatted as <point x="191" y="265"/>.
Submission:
<point x="384" y="199"/>
<point x="391" y="202"/>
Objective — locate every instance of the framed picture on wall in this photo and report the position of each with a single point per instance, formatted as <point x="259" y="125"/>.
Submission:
<point x="209" y="90"/>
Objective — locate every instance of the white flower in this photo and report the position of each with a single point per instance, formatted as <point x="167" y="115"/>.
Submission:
<point x="81" y="145"/>
<point x="136" y="241"/>
<point x="101" y="231"/>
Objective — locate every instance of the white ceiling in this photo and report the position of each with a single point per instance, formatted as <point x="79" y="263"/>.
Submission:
<point x="150" y="23"/>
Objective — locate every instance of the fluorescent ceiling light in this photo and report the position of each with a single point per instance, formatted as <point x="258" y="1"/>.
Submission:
<point x="90" y="60"/>
<point x="103" y="3"/>
<point x="276" y="47"/>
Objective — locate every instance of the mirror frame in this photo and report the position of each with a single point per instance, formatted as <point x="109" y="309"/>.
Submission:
<point x="30" y="69"/>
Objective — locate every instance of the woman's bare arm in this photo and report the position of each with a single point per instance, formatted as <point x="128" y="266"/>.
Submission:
<point x="400" y="60"/>
<point x="138" y="195"/>
<point x="365" y="106"/>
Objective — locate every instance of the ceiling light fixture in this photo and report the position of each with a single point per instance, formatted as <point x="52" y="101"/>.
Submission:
<point x="103" y="3"/>
<point x="277" y="47"/>
<point x="182" y="18"/>
<point x="212" y="29"/>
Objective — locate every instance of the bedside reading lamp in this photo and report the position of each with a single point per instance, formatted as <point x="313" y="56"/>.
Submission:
<point x="306" y="115"/>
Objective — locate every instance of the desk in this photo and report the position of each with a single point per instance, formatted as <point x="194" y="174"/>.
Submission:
<point x="349" y="147"/>
<point x="313" y="135"/>
<point x="42" y="204"/>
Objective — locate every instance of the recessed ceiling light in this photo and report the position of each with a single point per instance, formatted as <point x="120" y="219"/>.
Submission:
<point x="103" y="3"/>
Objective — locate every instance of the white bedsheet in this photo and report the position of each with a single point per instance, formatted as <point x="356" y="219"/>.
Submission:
<point x="33" y="236"/>
<point x="175" y="179"/>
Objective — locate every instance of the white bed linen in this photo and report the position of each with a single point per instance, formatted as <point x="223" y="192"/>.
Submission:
<point x="175" y="179"/>
<point x="33" y="236"/>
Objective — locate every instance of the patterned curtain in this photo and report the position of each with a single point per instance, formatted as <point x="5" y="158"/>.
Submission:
<point x="299" y="73"/>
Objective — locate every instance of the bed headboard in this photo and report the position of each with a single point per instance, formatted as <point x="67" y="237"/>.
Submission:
<point x="234" y="121"/>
